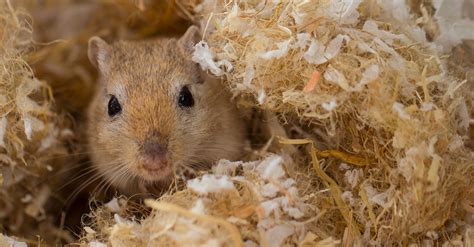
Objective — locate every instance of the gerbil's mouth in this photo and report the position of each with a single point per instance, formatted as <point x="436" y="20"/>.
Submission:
<point x="156" y="173"/>
<point x="160" y="173"/>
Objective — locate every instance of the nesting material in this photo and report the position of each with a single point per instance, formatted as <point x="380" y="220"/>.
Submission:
<point x="30" y="132"/>
<point x="455" y="26"/>
<point x="380" y="122"/>
<point x="238" y="203"/>
<point x="363" y="72"/>
<point x="7" y="241"/>
<point x="383" y="119"/>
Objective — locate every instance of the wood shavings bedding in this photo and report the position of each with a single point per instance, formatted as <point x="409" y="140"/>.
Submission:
<point x="261" y="205"/>
<point x="30" y="131"/>
<point x="7" y="241"/>
<point x="373" y="97"/>
<point x="380" y="120"/>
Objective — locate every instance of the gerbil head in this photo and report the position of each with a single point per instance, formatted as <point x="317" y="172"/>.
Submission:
<point x="155" y="112"/>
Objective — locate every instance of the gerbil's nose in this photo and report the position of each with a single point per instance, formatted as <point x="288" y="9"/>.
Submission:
<point x="155" y="155"/>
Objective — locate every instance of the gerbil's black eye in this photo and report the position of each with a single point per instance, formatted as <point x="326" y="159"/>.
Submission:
<point x="114" y="107"/>
<point x="185" y="98"/>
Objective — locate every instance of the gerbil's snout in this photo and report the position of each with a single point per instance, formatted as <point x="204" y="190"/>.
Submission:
<point x="155" y="154"/>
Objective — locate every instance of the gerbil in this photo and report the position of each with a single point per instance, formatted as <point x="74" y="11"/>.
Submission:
<point x="155" y="112"/>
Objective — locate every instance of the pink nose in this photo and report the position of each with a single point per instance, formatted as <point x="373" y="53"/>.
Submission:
<point x="155" y="156"/>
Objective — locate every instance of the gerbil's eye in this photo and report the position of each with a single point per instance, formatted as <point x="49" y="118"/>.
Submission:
<point x="114" y="107"/>
<point x="185" y="98"/>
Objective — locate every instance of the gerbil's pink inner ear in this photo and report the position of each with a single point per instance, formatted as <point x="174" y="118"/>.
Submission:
<point x="190" y="39"/>
<point x="98" y="52"/>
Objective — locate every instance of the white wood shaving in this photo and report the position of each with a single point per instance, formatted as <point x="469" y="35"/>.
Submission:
<point x="336" y="77"/>
<point x="400" y="109"/>
<point x="199" y="207"/>
<point x="97" y="244"/>
<point x="113" y="205"/>
<point x="334" y="46"/>
<point x="388" y="37"/>
<point x="249" y="74"/>
<point x="204" y="57"/>
<point x="237" y="221"/>
<point x="369" y="75"/>
<point x="348" y="197"/>
<point x="315" y="53"/>
<point x="225" y="167"/>
<point x="427" y="106"/>
<point x="456" y="143"/>
<point x="261" y="96"/>
<point x="302" y="40"/>
<point x="352" y="177"/>
<point x="329" y="106"/>
<point x="277" y="235"/>
<point x="210" y="183"/>
<point x="269" y="190"/>
<point x="27" y="198"/>
<point x="452" y="26"/>
<point x="89" y="230"/>
<point x="280" y="52"/>
<point x="250" y="243"/>
<point x="49" y="140"/>
<point x="271" y="168"/>
<point x="379" y="198"/>
<point x="271" y="205"/>
<point x="294" y="212"/>
<point x="288" y="183"/>
<point x="3" y="128"/>
<point x="32" y="124"/>
<point x="11" y="242"/>
<point x="120" y="220"/>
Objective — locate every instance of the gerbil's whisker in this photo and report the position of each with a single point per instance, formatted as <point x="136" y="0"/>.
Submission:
<point x="96" y="151"/>
<point x="118" y="174"/>
<point x="84" y="185"/>
<point x="65" y="170"/>
<point x="76" y="192"/>
<point x="84" y="172"/>
<point x="98" y="189"/>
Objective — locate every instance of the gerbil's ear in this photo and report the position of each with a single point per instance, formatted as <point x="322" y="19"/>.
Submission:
<point x="190" y="38"/>
<point x="98" y="52"/>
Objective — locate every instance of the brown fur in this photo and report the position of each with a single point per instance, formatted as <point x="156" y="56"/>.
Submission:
<point x="146" y="77"/>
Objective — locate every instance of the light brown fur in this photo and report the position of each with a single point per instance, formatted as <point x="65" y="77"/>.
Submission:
<point x="146" y="77"/>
